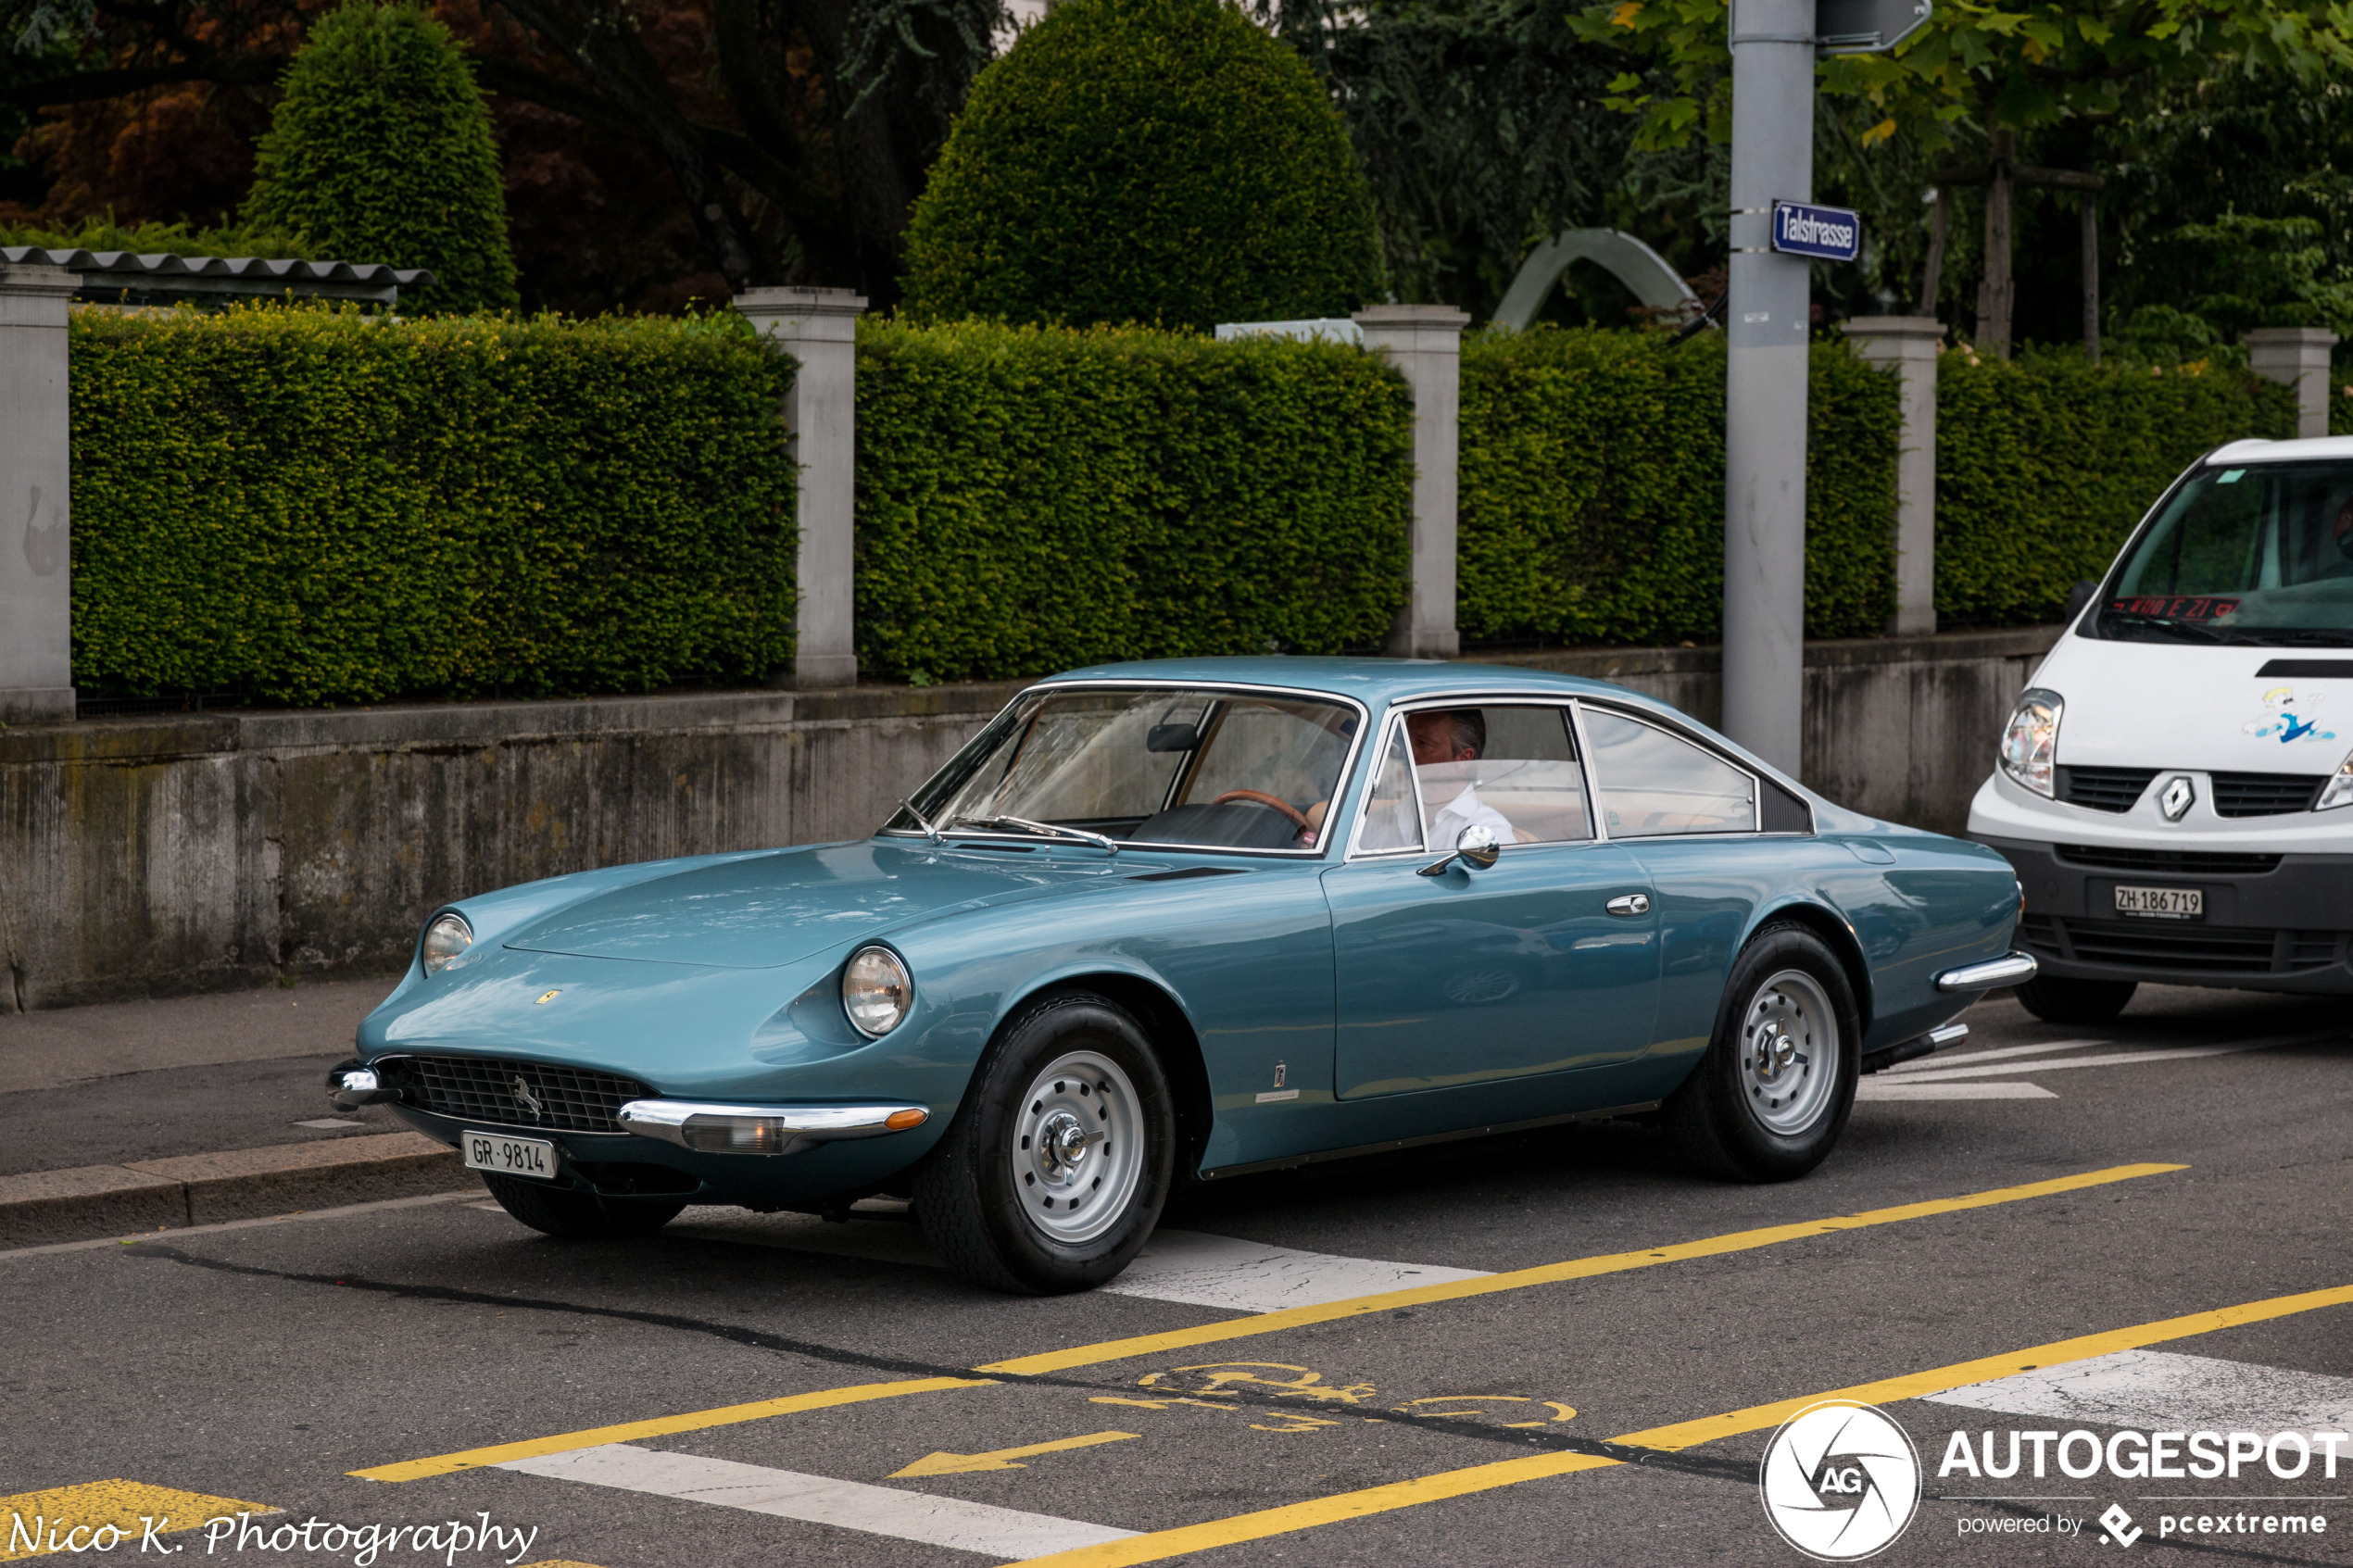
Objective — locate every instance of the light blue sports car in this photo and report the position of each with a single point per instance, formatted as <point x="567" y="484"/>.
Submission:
<point x="1185" y="920"/>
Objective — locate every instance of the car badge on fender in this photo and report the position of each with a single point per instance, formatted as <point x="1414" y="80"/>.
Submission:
<point x="545" y="997"/>
<point x="529" y="1101"/>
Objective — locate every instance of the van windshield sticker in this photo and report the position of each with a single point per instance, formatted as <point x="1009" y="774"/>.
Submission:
<point x="2232" y="477"/>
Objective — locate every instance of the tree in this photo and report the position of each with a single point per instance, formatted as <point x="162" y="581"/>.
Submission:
<point x="380" y="150"/>
<point x="1144" y="160"/>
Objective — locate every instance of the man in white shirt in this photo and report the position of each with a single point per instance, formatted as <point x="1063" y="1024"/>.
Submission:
<point x="1446" y="742"/>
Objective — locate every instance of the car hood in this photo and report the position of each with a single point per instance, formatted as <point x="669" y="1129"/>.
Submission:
<point x="2161" y="704"/>
<point x="765" y="911"/>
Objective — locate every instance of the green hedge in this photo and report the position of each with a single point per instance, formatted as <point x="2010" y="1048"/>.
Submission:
<point x="1591" y="485"/>
<point x="306" y="506"/>
<point x="1031" y="499"/>
<point x="2046" y="463"/>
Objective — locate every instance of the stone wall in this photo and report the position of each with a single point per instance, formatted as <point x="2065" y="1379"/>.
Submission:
<point x="143" y="857"/>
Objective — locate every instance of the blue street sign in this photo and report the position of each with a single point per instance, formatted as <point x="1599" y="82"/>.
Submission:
<point x="1826" y="233"/>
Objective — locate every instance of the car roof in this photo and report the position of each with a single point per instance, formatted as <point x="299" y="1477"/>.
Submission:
<point x="2305" y="450"/>
<point x="1374" y="681"/>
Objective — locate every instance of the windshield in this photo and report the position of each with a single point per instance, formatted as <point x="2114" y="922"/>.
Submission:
<point x="1217" y="769"/>
<point x="2258" y="553"/>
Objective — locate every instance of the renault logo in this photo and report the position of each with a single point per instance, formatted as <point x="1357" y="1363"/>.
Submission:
<point x="529" y="1101"/>
<point x="2179" y="797"/>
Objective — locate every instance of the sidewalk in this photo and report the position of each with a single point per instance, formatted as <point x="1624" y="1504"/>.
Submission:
<point x="138" y="1115"/>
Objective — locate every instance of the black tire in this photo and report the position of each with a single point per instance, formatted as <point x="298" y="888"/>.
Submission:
<point x="579" y="1216"/>
<point x="2075" y="1001"/>
<point x="1719" y="1118"/>
<point x="966" y="1196"/>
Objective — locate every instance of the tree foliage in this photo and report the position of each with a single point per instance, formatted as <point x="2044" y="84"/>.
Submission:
<point x="380" y="150"/>
<point x="1150" y="161"/>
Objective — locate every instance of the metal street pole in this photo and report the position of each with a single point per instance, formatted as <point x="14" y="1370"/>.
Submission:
<point x="1764" y="383"/>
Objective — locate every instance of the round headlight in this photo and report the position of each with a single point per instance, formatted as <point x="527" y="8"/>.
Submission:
<point x="875" y="991"/>
<point x="447" y="936"/>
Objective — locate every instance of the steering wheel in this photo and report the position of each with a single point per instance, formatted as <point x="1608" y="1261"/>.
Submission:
<point x="1261" y="798"/>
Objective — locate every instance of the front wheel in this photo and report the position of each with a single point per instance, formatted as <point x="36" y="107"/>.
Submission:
<point x="2075" y="1001"/>
<point x="578" y="1216"/>
<point x="1054" y="1170"/>
<point x="1772" y="1095"/>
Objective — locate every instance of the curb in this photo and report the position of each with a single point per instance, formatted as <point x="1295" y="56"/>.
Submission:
<point x="203" y="1189"/>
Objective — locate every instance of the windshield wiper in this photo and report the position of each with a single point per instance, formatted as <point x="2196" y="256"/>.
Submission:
<point x="2170" y="623"/>
<point x="1001" y="821"/>
<point x="2303" y="637"/>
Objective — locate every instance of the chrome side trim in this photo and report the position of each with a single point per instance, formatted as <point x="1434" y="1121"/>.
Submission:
<point x="2012" y="969"/>
<point x="807" y="1124"/>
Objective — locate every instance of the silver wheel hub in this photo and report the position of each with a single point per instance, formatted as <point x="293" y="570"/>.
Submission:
<point x="1788" y="1053"/>
<point x="1077" y="1149"/>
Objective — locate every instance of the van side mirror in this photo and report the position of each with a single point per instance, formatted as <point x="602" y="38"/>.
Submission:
<point x="2079" y="598"/>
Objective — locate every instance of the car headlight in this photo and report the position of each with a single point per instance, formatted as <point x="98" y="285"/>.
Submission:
<point x="875" y="991"/>
<point x="446" y="937"/>
<point x="2029" y="746"/>
<point x="2338" y="791"/>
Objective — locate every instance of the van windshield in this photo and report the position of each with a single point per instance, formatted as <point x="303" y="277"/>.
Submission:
<point x="2261" y="553"/>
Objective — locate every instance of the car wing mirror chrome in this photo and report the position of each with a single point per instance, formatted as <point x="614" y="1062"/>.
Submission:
<point x="1474" y="847"/>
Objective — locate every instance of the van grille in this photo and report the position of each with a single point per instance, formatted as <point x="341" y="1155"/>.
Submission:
<point x="2104" y="789"/>
<point x="491" y="1089"/>
<point x="2181" y="945"/>
<point x="2264" y="794"/>
<point x="2168" y="862"/>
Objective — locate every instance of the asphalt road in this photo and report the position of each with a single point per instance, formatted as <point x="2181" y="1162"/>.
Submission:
<point x="2154" y="1242"/>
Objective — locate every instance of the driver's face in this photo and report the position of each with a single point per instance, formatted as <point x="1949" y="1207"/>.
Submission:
<point x="1432" y="738"/>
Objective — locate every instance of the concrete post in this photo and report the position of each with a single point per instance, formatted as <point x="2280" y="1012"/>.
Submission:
<point x="36" y="492"/>
<point x="1425" y="343"/>
<point x="1909" y="342"/>
<point x="2297" y="356"/>
<point x="1765" y="383"/>
<point x="819" y="328"/>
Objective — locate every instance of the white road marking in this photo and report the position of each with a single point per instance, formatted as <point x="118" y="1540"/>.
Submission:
<point x="1877" y="1087"/>
<point x="1253" y="1277"/>
<point x="2160" y="1390"/>
<point x="332" y="1123"/>
<point x="2117" y="1059"/>
<point x="817" y="1499"/>
<point x="1955" y="1059"/>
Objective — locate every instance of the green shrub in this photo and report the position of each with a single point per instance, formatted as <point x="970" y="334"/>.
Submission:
<point x="309" y="507"/>
<point x="2043" y="465"/>
<point x="1155" y="161"/>
<point x="380" y="150"/>
<point x="1592" y="489"/>
<point x="1033" y="499"/>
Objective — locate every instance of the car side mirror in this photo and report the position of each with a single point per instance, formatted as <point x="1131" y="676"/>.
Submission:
<point x="1474" y="847"/>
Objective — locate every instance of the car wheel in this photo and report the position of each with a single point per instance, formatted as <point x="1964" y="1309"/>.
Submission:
<point x="1770" y="1097"/>
<point x="2075" y="1001"/>
<point x="578" y="1216"/>
<point x="1055" y="1167"/>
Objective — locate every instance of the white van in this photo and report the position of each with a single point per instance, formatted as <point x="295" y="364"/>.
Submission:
<point x="2175" y="786"/>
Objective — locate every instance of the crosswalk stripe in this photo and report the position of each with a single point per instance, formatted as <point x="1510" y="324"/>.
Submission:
<point x="1251" y="1276"/>
<point x="1997" y="1053"/>
<point x="816" y="1500"/>
<point x="30" y="1521"/>
<point x="2165" y="1389"/>
<point x="1876" y="1089"/>
<point x="2117" y="1059"/>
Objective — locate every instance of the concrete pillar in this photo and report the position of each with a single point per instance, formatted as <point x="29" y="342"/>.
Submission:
<point x="1425" y="343"/>
<point x="819" y="328"/>
<point x="2297" y="356"/>
<point x="36" y="492"/>
<point x="1909" y="342"/>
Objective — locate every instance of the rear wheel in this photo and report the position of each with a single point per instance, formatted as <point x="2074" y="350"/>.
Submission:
<point x="1059" y="1160"/>
<point x="578" y="1216"/>
<point x="1770" y="1097"/>
<point x="2075" y="1001"/>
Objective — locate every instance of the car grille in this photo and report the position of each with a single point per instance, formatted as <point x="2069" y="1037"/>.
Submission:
<point x="2181" y="945"/>
<point x="473" y="1088"/>
<point x="2264" y="794"/>
<point x="2104" y="789"/>
<point x="2170" y="862"/>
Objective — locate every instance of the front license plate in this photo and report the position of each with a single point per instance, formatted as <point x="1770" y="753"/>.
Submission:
<point x="2161" y="903"/>
<point x="535" y="1157"/>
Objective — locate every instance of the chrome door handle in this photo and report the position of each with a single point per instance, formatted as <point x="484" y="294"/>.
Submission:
<point x="1629" y="904"/>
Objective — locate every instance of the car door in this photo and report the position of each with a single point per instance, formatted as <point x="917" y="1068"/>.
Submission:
<point x="1545" y="961"/>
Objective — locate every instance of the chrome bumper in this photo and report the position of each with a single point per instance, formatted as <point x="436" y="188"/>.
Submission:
<point x="351" y="1086"/>
<point x="709" y="1127"/>
<point x="2013" y="969"/>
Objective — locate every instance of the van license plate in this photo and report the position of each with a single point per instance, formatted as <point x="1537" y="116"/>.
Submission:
<point x="2161" y="903"/>
<point x="535" y="1157"/>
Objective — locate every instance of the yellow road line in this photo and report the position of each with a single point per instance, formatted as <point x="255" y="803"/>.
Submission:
<point x="1549" y="1273"/>
<point x="630" y="1431"/>
<point x="68" y="1515"/>
<point x="1161" y="1545"/>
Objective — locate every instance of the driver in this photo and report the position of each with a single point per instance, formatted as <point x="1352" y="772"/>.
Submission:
<point x="1451" y="735"/>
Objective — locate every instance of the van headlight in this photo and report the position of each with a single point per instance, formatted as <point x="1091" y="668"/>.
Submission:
<point x="875" y="991"/>
<point x="447" y="938"/>
<point x="2338" y="791"/>
<point x="2029" y="746"/>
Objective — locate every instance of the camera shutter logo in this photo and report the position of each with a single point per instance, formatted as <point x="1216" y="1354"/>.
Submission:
<point x="1840" y="1481"/>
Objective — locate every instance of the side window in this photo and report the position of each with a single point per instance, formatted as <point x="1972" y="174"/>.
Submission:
<point x="1390" y="819"/>
<point x="1652" y="783"/>
<point x="1510" y="769"/>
